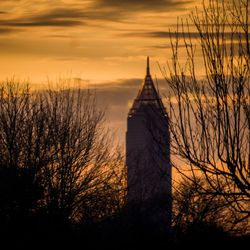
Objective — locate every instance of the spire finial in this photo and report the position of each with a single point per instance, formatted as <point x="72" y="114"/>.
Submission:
<point x="148" y="71"/>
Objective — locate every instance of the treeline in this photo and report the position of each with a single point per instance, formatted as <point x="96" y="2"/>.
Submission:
<point x="63" y="182"/>
<point x="58" y="167"/>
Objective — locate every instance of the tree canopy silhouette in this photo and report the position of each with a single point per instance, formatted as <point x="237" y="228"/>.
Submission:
<point x="56" y="156"/>
<point x="210" y="114"/>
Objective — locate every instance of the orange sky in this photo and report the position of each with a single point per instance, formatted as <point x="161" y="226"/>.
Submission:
<point x="103" y="43"/>
<point x="91" y="39"/>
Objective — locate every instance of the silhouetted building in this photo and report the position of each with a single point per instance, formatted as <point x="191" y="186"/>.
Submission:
<point x="148" y="151"/>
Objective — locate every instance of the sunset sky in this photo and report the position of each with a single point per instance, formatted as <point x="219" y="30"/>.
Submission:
<point x="102" y="43"/>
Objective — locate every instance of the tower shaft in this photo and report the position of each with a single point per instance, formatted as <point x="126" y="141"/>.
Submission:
<point x="148" y="149"/>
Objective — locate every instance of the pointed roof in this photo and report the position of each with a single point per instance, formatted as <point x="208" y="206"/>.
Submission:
<point x="147" y="95"/>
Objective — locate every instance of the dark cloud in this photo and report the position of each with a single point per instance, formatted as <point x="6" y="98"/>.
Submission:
<point x="117" y="97"/>
<point x="160" y="46"/>
<point x="113" y="93"/>
<point x="160" y="34"/>
<point x="33" y="23"/>
<point x="120" y="91"/>
<point x="142" y="5"/>
<point x="56" y="17"/>
<point x="70" y="13"/>
<point x="103" y="10"/>
<point x="167" y="34"/>
<point x="60" y="17"/>
<point x="78" y="13"/>
<point x="61" y="13"/>
<point x="8" y="30"/>
<point x="164" y="46"/>
<point x="192" y="35"/>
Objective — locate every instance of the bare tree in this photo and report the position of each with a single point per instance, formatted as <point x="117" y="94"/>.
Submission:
<point x="193" y="209"/>
<point x="209" y="115"/>
<point x="85" y="170"/>
<point x="60" y="138"/>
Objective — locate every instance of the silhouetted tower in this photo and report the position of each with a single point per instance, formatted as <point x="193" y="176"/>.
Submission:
<point x="148" y="149"/>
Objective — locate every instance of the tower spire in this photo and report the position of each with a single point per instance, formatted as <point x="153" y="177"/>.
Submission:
<point x="148" y="95"/>
<point x="148" y="70"/>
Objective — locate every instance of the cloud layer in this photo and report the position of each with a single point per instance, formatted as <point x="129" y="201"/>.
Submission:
<point x="76" y="13"/>
<point x="142" y="5"/>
